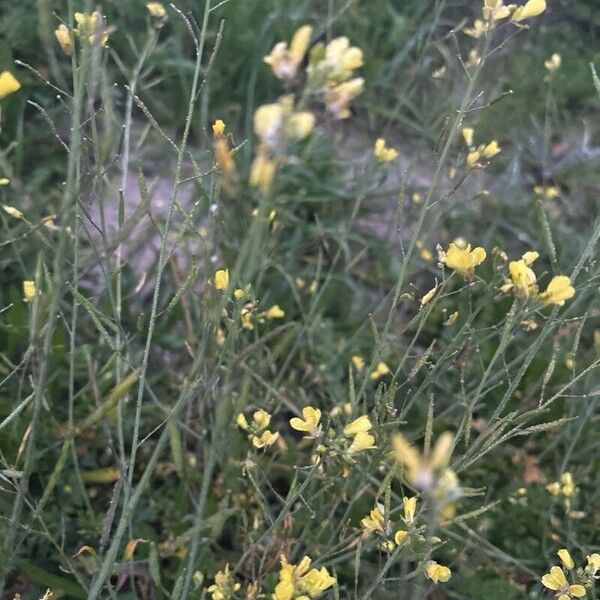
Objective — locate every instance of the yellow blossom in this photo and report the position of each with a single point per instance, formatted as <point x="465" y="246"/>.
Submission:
<point x="285" y="61"/>
<point x="338" y="97"/>
<point x="358" y="362"/>
<point x="218" y="128"/>
<point x="338" y="62"/>
<point x="437" y="572"/>
<point x="239" y="294"/>
<point x="593" y="564"/>
<point x="522" y="275"/>
<point x="400" y="536"/>
<point x="553" y="63"/>
<point x="568" y="488"/>
<point x="63" y="36"/>
<point x="225" y="585"/>
<point x="262" y="172"/>
<point x="15" y="213"/>
<point x="275" y="312"/>
<point x="156" y="9"/>
<point x="473" y="158"/>
<point x="9" y="84"/>
<point x="246" y="318"/>
<point x="380" y="370"/>
<point x="494" y="10"/>
<point x="29" y="290"/>
<point x="558" y="291"/>
<point x="359" y="425"/>
<point x="566" y="559"/>
<point x="4" y="180"/>
<point x="556" y="581"/>
<point x="362" y="441"/>
<point x="316" y="581"/>
<point x="261" y="419"/>
<point x="87" y="24"/>
<point x="532" y="8"/>
<point x="549" y="192"/>
<point x="491" y="149"/>
<point x="382" y="153"/>
<point x="221" y="279"/>
<point x="479" y="28"/>
<point x="267" y="438"/>
<point x="374" y="522"/>
<point x="241" y="421"/>
<point x="410" y="506"/>
<point x="460" y="258"/>
<point x="310" y="423"/>
<point x="467" y="133"/>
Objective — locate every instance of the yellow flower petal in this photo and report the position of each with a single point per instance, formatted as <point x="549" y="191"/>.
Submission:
<point x="9" y="84"/>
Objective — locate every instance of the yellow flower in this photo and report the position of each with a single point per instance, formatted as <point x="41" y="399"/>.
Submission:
<point x="63" y="36"/>
<point x="261" y="419"/>
<point x="310" y="424"/>
<point x="558" y="291"/>
<point x="593" y="564"/>
<point x="494" y="10"/>
<point x="553" y="488"/>
<point x="156" y="9"/>
<point x="460" y="258"/>
<point x="267" y="438"/>
<point x="218" y="128"/>
<point x="374" y="522"/>
<point x="338" y="97"/>
<point x="410" y="506"/>
<point x="437" y="572"/>
<point x="522" y="276"/>
<point x="473" y="158"/>
<point x="86" y="26"/>
<point x="566" y="559"/>
<point x="262" y="172"/>
<point x="533" y="8"/>
<point x="241" y="421"/>
<point x="491" y="149"/>
<point x="29" y="290"/>
<point x="225" y="585"/>
<point x="362" y="441"/>
<point x="221" y="279"/>
<point x="15" y="213"/>
<point x="400" y="536"/>
<point x="275" y="312"/>
<point x="239" y="294"/>
<point x="382" y="153"/>
<point x="358" y="362"/>
<point x="553" y="63"/>
<point x="359" y="425"/>
<point x="380" y="370"/>
<point x="568" y="488"/>
<point x="337" y="62"/>
<point x="467" y="133"/>
<point x="4" y="180"/>
<point x="478" y="29"/>
<point x="8" y="84"/>
<point x="285" y="61"/>
<point x="556" y="581"/>
<point x="246" y="318"/>
<point x="549" y="192"/>
<point x="316" y="581"/>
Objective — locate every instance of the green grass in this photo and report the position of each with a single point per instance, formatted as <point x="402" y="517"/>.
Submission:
<point x="121" y="379"/>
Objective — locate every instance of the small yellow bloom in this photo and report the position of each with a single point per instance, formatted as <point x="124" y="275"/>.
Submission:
<point x="316" y="581"/>
<point x="156" y="9"/>
<point x="221" y="279"/>
<point x="4" y="181"/>
<point x="9" y="84"/>
<point x="374" y="522"/>
<point x="267" y="438"/>
<point x="566" y="559"/>
<point x="568" y="487"/>
<point x="310" y="424"/>
<point x="558" y="291"/>
<point x="285" y="61"/>
<point x="593" y="564"/>
<point x="338" y="97"/>
<point x="380" y="370"/>
<point x="246" y="319"/>
<point x="479" y="28"/>
<point x="358" y="362"/>
<point x="491" y="149"/>
<point x="15" y="213"/>
<point x="87" y="24"/>
<point x="522" y="275"/>
<point x="362" y="441"/>
<point x="532" y="8"/>
<point x="261" y="419"/>
<point x="218" y="128"/>
<point x="410" y="506"/>
<point x="549" y="192"/>
<point x="239" y="294"/>
<point x="473" y="158"/>
<point x="553" y="63"/>
<point x="65" y="41"/>
<point x="241" y="421"/>
<point x="553" y="488"/>
<point x="225" y="585"/>
<point x="275" y="312"/>
<point x="262" y="172"/>
<point x="29" y="290"/>
<point x="494" y="10"/>
<point x="467" y="133"/>
<point x="382" y="153"/>
<point x="359" y="425"/>
<point x="437" y="572"/>
<point x="400" y="536"/>
<point x="460" y="258"/>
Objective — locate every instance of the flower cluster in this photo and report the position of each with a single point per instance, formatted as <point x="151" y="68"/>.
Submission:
<point x="90" y="27"/>
<point x="461" y="258"/>
<point x="257" y="429"/>
<point x="483" y="151"/>
<point x="376" y="523"/>
<point x="300" y="582"/>
<point x="494" y="11"/>
<point x="224" y="586"/>
<point x="580" y="578"/>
